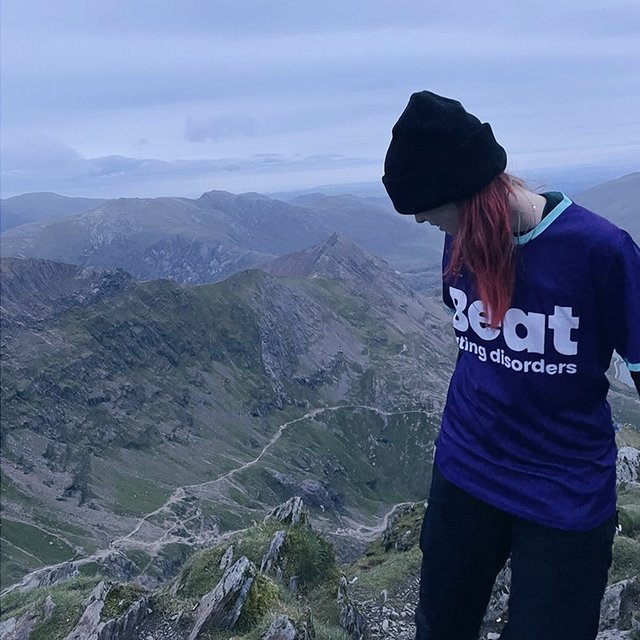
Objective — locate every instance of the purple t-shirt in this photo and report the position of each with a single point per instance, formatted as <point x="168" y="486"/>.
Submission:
<point x="527" y="427"/>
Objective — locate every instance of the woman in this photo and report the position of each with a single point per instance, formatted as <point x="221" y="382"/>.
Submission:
<point x="542" y="292"/>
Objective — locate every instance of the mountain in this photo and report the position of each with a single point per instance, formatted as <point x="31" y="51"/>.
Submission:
<point x="34" y="290"/>
<point x="150" y="415"/>
<point x="36" y="207"/>
<point x="616" y="200"/>
<point x="207" y="239"/>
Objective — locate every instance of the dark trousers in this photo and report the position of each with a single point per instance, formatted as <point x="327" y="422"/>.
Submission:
<point x="558" y="577"/>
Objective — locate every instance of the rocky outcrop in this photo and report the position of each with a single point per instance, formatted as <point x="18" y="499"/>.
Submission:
<point x="92" y="625"/>
<point x="222" y="606"/>
<point x="351" y="620"/>
<point x="284" y="628"/>
<point x="281" y="629"/>
<point x="227" y="558"/>
<point x="272" y="559"/>
<point x="628" y="466"/>
<point x="291" y="512"/>
<point x="19" y="628"/>
<point x="44" y="577"/>
<point x="89" y="625"/>
<point x="620" y="607"/>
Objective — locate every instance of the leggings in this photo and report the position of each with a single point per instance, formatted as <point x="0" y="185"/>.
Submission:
<point x="558" y="577"/>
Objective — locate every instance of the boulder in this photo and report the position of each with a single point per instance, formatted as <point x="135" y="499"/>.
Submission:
<point x="281" y="629"/>
<point x="619" y="603"/>
<point x="628" y="466"/>
<point x="222" y="606"/>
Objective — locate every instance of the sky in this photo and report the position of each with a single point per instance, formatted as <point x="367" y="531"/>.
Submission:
<point x="158" y="97"/>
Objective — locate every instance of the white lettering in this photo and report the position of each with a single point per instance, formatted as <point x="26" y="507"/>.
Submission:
<point x="479" y="322"/>
<point x="533" y="341"/>
<point x="561" y="323"/>
<point x="459" y="298"/>
<point x="522" y="330"/>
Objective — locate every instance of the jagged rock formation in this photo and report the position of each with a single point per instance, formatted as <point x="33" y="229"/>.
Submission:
<point x="92" y="626"/>
<point x="19" y="628"/>
<point x="45" y="577"/>
<point x="271" y="562"/>
<point x="291" y="512"/>
<point x="628" y="466"/>
<point x="227" y="558"/>
<point x="280" y="629"/>
<point x="351" y="619"/>
<point x="221" y="607"/>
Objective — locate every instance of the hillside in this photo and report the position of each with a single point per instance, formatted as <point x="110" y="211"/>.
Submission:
<point x="160" y="386"/>
<point x="616" y="200"/>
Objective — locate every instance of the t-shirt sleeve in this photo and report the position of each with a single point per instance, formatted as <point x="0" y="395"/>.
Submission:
<point x="623" y="283"/>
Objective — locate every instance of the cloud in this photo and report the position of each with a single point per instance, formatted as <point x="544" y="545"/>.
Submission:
<point x="218" y="128"/>
<point x="49" y="165"/>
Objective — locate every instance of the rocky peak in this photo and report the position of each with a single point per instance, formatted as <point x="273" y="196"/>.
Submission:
<point x="36" y="289"/>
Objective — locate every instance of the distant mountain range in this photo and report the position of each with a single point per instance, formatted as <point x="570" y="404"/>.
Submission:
<point x="209" y="238"/>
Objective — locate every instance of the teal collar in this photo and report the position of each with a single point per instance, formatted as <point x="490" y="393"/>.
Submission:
<point x="544" y="223"/>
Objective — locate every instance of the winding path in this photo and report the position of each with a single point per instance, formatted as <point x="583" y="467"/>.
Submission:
<point x="117" y="545"/>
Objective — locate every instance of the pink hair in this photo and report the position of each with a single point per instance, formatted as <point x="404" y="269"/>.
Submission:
<point x="484" y="244"/>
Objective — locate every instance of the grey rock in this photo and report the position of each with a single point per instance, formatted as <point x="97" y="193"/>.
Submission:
<point x="20" y="628"/>
<point x="291" y="512"/>
<point x="125" y="627"/>
<point x="351" y="619"/>
<point x="44" y="577"/>
<point x="618" y="605"/>
<point x="227" y="558"/>
<point x="281" y="629"/>
<point x="499" y="601"/>
<point x="272" y="559"/>
<point x="628" y="466"/>
<point x="49" y="607"/>
<point x="222" y="606"/>
<point x="89" y="625"/>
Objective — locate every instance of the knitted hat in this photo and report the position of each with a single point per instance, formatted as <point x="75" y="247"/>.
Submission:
<point x="438" y="154"/>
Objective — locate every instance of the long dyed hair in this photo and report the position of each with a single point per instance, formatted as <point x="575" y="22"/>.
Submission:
<point x="484" y="245"/>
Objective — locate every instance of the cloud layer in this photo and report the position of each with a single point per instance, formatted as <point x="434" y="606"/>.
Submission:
<point x="221" y="84"/>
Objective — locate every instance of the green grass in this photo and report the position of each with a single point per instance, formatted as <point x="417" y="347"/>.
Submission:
<point x="45" y="547"/>
<point x="67" y="596"/>
<point x="626" y="559"/>
<point x="136" y="496"/>
<point x="119" y="598"/>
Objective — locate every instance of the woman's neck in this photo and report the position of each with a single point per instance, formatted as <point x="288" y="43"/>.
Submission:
<point x="526" y="209"/>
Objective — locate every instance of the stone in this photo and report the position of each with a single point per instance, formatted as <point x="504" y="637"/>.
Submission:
<point x="227" y="558"/>
<point x="628" y="466"/>
<point x="89" y="624"/>
<point x="49" y="607"/>
<point x="291" y="512"/>
<point x="222" y="606"/>
<point x="351" y="619"/>
<point x="20" y="628"/>
<point x="281" y="629"/>
<point x="272" y="559"/>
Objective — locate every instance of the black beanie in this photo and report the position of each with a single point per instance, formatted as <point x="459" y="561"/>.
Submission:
<point x="438" y="154"/>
